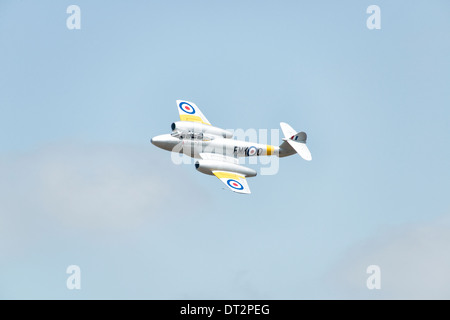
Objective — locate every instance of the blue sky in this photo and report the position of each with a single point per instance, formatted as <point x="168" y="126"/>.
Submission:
<point x="81" y="183"/>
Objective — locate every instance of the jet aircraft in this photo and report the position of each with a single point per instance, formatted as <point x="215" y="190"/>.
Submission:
<point x="216" y="150"/>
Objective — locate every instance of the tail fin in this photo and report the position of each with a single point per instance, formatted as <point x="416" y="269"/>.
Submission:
<point x="294" y="142"/>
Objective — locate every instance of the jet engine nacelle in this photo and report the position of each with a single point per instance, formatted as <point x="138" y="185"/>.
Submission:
<point x="208" y="166"/>
<point x="197" y="127"/>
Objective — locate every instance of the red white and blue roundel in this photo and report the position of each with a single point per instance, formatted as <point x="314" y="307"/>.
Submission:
<point x="235" y="184"/>
<point x="186" y="107"/>
<point x="252" y="151"/>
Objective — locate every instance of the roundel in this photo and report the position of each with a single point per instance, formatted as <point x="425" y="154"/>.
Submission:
<point x="252" y="151"/>
<point x="186" y="107"/>
<point x="235" y="184"/>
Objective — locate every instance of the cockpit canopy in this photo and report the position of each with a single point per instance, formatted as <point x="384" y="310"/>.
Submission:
<point x="191" y="135"/>
<point x="194" y="130"/>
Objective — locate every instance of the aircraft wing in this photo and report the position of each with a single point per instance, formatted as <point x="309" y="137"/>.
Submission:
<point x="234" y="181"/>
<point x="190" y="112"/>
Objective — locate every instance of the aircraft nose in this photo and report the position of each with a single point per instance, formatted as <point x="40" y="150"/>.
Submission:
<point x="156" y="141"/>
<point x="165" y="141"/>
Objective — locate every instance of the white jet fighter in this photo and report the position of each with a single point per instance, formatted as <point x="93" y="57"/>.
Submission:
<point x="218" y="152"/>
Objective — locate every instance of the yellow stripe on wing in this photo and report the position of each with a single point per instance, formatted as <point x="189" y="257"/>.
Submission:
<point x="188" y="117"/>
<point x="227" y="175"/>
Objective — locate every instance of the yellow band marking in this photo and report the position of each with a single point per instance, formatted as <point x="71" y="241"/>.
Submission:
<point x="227" y="175"/>
<point x="188" y="117"/>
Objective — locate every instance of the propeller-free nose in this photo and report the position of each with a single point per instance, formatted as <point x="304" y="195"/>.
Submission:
<point x="157" y="141"/>
<point x="165" y="141"/>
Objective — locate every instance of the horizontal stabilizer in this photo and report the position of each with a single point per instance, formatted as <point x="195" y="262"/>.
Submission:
<point x="301" y="149"/>
<point x="296" y="140"/>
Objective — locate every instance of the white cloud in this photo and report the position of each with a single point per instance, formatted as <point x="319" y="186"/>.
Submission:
<point x="414" y="261"/>
<point x="66" y="188"/>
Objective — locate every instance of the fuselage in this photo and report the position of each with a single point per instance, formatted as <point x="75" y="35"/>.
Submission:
<point x="228" y="147"/>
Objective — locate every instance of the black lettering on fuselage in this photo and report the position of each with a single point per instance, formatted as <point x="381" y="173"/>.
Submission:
<point x="244" y="150"/>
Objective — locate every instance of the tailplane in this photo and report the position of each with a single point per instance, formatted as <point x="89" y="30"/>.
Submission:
<point x="294" y="142"/>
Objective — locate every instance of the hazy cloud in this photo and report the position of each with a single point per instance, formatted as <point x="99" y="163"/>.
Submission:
<point x="414" y="261"/>
<point x="76" y="188"/>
